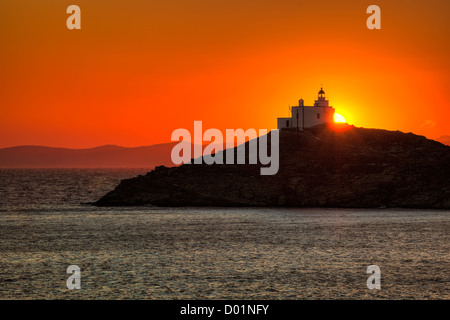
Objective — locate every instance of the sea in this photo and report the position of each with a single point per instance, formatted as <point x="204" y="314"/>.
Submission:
<point x="47" y="225"/>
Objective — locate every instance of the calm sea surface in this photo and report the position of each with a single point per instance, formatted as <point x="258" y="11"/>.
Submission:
<point x="207" y="253"/>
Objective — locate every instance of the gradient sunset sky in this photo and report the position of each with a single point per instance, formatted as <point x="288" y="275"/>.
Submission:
<point x="137" y="70"/>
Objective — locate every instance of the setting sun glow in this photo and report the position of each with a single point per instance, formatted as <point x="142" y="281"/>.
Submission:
<point x="137" y="70"/>
<point x="338" y="118"/>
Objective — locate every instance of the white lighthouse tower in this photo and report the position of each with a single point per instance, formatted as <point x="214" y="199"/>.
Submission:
<point x="305" y="116"/>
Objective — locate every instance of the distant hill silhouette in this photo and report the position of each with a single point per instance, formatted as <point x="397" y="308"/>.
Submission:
<point x="444" y="140"/>
<point x="108" y="156"/>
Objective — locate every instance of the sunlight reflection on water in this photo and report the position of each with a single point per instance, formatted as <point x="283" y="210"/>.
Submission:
<point x="207" y="253"/>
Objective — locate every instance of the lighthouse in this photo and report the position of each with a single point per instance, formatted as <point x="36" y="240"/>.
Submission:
<point x="309" y="116"/>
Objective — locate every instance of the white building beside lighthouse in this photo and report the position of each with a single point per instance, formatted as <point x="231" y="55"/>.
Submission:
<point x="304" y="116"/>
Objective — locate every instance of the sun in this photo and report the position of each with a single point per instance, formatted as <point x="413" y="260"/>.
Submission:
<point x="338" y="118"/>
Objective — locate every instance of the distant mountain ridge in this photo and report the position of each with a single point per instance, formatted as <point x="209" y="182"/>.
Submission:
<point x="107" y="156"/>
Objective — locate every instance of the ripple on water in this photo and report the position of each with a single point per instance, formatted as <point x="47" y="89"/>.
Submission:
<point x="207" y="253"/>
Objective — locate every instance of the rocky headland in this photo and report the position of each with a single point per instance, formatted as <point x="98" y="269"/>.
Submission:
<point x="318" y="167"/>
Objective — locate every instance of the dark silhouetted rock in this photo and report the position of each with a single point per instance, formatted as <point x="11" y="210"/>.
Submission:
<point x="319" y="167"/>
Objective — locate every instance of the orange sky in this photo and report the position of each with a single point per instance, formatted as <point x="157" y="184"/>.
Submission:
<point x="137" y="70"/>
